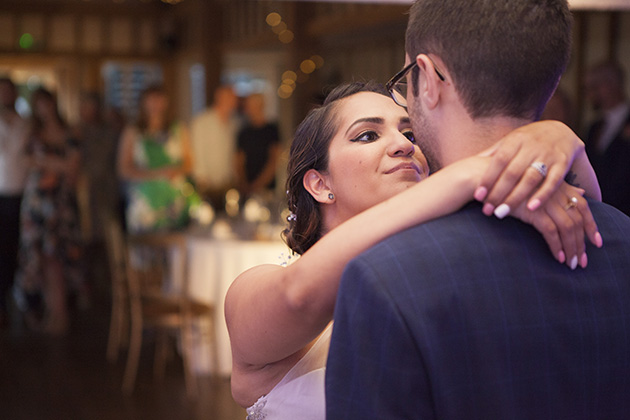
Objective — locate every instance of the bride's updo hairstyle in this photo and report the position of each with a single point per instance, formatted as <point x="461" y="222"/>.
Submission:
<point x="309" y="150"/>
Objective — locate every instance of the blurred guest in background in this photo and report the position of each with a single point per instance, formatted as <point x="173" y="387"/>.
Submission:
<point x="50" y="239"/>
<point x="12" y="177"/>
<point x="608" y="138"/>
<point x="97" y="184"/>
<point x="258" y="149"/>
<point x="115" y="119"/>
<point x="99" y="143"/>
<point x="154" y="159"/>
<point x="214" y="143"/>
<point x="559" y="108"/>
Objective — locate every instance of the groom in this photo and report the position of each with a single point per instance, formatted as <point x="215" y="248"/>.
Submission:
<point x="469" y="317"/>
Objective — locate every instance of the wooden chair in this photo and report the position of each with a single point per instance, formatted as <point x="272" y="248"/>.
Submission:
<point x="119" y="323"/>
<point x="159" y="299"/>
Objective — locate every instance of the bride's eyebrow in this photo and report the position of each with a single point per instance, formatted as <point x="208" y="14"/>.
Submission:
<point x="373" y="120"/>
<point x="405" y="120"/>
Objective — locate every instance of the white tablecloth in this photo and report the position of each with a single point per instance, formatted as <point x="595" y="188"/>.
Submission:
<point x="213" y="265"/>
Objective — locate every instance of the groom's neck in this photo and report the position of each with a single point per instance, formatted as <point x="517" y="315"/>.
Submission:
<point x="467" y="137"/>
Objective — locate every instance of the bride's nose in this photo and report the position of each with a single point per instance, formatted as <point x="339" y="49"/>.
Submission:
<point x="401" y="146"/>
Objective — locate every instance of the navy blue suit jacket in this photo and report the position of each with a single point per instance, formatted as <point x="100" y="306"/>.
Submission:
<point x="470" y="317"/>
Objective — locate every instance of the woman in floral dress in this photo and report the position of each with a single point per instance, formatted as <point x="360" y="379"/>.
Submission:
<point x="50" y="239"/>
<point x="155" y="161"/>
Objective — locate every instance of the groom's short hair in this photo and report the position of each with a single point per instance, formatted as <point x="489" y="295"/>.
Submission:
<point x="505" y="57"/>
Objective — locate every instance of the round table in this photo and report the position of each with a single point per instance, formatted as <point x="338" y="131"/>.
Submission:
<point x="213" y="264"/>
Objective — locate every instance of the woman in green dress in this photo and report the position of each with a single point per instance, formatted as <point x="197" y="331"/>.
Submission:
<point x="155" y="162"/>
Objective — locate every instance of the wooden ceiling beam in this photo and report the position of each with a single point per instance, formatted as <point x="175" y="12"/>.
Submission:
<point x="83" y="8"/>
<point x="613" y="5"/>
<point x="338" y="23"/>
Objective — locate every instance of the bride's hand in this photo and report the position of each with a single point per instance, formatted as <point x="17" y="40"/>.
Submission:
<point x="511" y="178"/>
<point x="564" y="220"/>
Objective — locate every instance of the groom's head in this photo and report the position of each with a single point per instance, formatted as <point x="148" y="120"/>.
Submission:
<point x="503" y="57"/>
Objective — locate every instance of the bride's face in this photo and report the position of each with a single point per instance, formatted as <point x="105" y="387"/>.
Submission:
<point x="373" y="155"/>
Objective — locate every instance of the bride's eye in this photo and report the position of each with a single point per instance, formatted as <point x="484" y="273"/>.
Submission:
<point x="366" y="137"/>
<point x="410" y="136"/>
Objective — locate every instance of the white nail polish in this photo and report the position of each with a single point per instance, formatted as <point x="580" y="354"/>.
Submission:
<point x="502" y="211"/>
<point x="574" y="262"/>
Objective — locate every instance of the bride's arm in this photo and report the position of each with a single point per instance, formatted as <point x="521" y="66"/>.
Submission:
<point x="272" y="312"/>
<point x="522" y="191"/>
<point x="510" y="180"/>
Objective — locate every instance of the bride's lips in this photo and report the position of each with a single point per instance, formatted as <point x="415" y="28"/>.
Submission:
<point x="405" y="166"/>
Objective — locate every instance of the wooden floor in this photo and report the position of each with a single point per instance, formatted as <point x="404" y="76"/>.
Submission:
<point x="68" y="378"/>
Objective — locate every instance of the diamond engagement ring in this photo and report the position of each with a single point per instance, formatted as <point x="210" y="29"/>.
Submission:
<point x="572" y="203"/>
<point x="540" y="167"/>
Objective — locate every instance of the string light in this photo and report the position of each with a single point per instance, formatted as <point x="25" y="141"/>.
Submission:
<point x="285" y="91"/>
<point x="286" y="36"/>
<point x="273" y="19"/>
<point x="307" y="66"/>
<point x="279" y="28"/>
<point x="318" y="60"/>
<point x="289" y="75"/>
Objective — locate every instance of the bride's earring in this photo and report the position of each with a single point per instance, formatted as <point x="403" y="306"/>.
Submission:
<point x="331" y="196"/>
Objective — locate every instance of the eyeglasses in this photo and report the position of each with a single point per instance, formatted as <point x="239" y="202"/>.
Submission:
<point x="397" y="85"/>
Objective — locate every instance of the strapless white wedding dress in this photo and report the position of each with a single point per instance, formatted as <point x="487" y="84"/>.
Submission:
<point x="300" y="394"/>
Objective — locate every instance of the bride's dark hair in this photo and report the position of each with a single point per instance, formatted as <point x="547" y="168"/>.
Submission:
<point x="309" y="150"/>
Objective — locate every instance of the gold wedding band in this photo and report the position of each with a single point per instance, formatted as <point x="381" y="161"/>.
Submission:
<point x="572" y="203"/>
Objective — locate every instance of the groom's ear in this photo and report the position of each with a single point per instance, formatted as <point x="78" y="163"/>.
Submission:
<point x="316" y="184"/>
<point x="428" y="82"/>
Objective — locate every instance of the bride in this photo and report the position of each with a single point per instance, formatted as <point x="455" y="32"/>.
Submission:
<point x="353" y="179"/>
